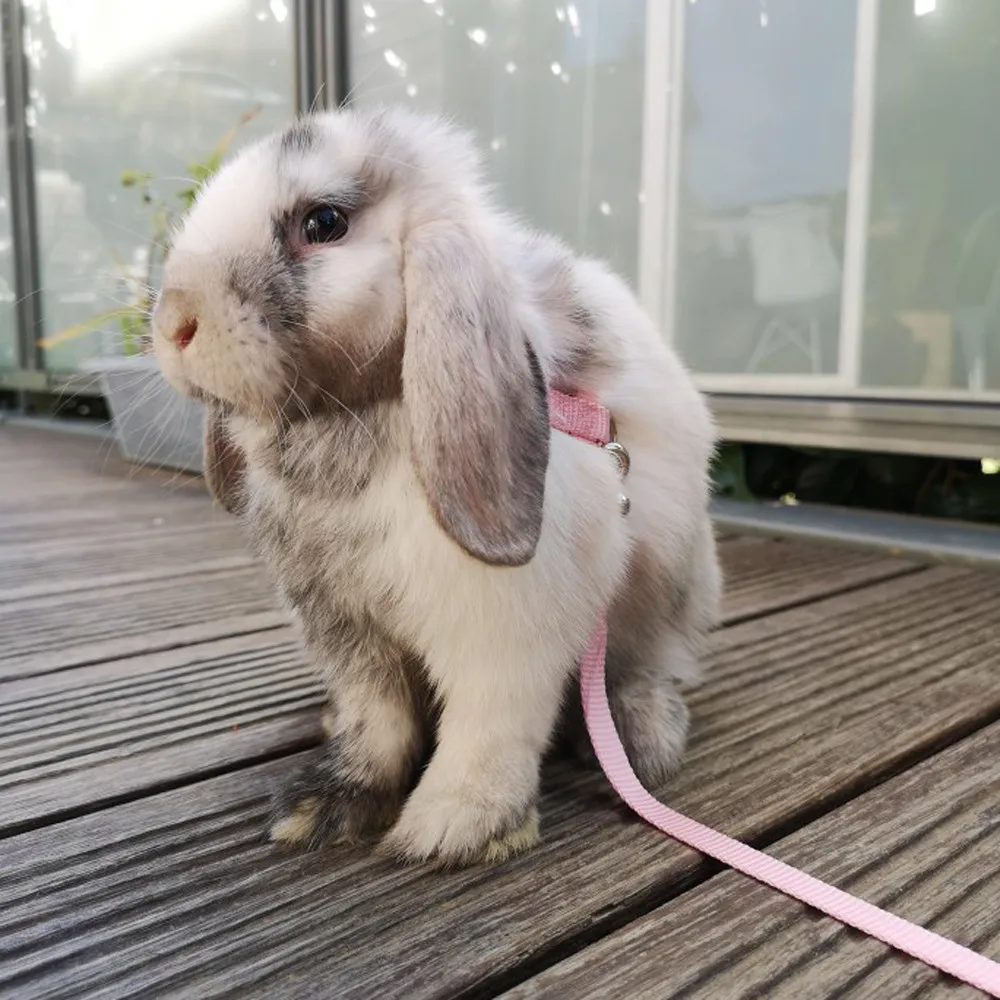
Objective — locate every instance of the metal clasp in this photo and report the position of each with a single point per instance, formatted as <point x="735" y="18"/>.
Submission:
<point x="620" y="454"/>
<point x="623" y="460"/>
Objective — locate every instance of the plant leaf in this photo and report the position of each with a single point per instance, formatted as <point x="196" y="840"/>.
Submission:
<point x="87" y="326"/>
<point x="133" y="178"/>
<point x="729" y="475"/>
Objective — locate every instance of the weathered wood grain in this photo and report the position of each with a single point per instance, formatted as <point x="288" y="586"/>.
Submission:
<point x="36" y="568"/>
<point x="48" y="474"/>
<point x="125" y="513"/>
<point x="98" y="733"/>
<point x="57" y="631"/>
<point x="158" y="572"/>
<point x="765" y="575"/>
<point x="176" y="894"/>
<point x="73" y="515"/>
<point x="925" y="845"/>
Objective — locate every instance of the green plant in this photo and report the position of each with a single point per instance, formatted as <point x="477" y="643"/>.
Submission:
<point x="133" y="317"/>
<point x="965" y="490"/>
<point x="729" y="473"/>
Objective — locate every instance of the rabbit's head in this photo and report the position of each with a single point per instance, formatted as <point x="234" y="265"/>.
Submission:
<point x="353" y="261"/>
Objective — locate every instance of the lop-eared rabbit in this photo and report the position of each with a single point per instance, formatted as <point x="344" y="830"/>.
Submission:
<point x="375" y="340"/>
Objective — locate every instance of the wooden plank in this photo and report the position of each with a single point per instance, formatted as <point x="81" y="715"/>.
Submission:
<point x="766" y="575"/>
<point x="72" y="512"/>
<point x="133" y="511"/>
<point x="32" y="490"/>
<point x="109" y="577"/>
<point x="43" y="567"/>
<point x="55" y="632"/>
<point x="925" y="845"/>
<point x="98" y="733"/>
<point x="134" y="568"/>
<point x="804" y="709"/>
<point x="27" y="446"/>
<point x="44" y="468"/>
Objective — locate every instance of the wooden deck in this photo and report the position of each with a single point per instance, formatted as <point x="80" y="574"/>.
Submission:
<point x="151" y="694"/>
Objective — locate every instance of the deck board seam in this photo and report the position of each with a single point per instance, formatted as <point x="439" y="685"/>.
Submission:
<point x="166" y="785"/>
<point x="168" y="646"/>
<point x="741" y="618"/>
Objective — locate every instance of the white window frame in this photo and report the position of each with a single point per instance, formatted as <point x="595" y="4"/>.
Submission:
<point x="659" y="229"/>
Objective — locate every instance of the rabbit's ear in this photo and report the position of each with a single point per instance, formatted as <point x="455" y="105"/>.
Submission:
<point x="475" y="396"/>
<point x="225" y="463"/>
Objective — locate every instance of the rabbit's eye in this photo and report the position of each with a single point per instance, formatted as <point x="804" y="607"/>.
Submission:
<point x="323" y="224"/>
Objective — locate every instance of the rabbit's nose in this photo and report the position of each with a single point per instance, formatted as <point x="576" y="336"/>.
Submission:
<point x="184" y="334"/>
<point x="175" y="317"/>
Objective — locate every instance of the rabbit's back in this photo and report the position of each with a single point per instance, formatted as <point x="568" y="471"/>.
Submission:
<point x="603" y="342"/>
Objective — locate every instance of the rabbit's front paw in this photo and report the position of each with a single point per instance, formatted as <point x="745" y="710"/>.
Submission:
<point x="456" y="830"/>
<point x="323" y="805"/>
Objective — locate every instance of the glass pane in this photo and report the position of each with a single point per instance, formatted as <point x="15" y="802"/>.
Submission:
<point x="8" y="297"/>
<point x="768" y="89"/>
<point x="121" y="85"/>
<point x="932" y="303"/>
<point x="553" y="91"/>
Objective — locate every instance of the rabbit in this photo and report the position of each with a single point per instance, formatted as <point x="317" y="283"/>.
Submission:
<point x="373" y="339"/>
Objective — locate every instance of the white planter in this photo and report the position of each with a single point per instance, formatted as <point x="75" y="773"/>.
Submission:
<point x="154" y="424"/>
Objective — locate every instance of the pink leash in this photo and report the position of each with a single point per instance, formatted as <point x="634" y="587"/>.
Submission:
<point x="585" y="418"/>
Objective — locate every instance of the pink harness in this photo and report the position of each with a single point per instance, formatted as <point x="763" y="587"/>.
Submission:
<point x="584" y="417"/>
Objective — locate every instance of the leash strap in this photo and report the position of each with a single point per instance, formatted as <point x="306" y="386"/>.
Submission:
<point x="932" y="949"/>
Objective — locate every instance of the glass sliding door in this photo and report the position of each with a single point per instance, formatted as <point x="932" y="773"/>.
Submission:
<point x="762" y="186"/>
<point x="836" y="216"/>
<point x="123" y="86"/>
<point x="932" y="290"/>
<point x="8" y="296"/>
<point x="554" y="92"/>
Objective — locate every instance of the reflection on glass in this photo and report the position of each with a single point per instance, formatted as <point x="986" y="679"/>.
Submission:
<point x="8" y="297"/>
<point x="121" y="85"/>
<point x="932" y="301"/>
<point x="553" y="90"/>
<point x="765" y="153"/>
